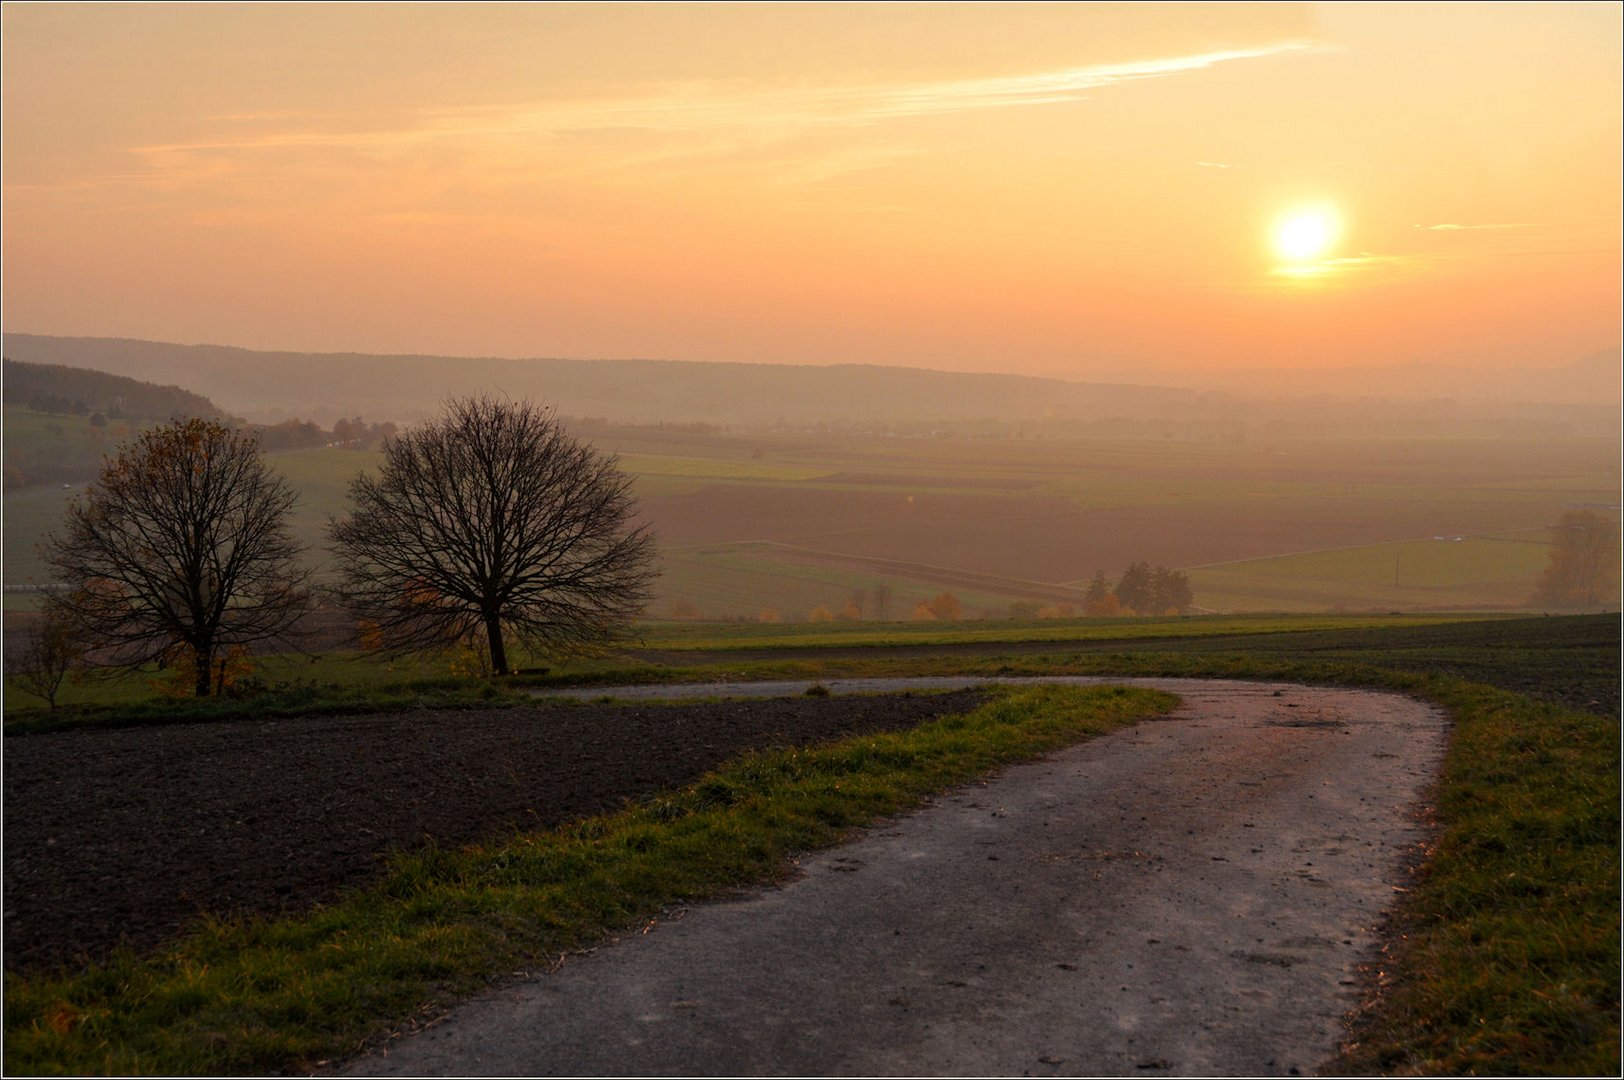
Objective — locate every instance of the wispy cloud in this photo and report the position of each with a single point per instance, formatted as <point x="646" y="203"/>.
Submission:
<point x="1450" y="227"/>
<point x="691" y="108"/>
<point x="1345" y="266"/>
<point x="1515" y="239"/>
<point x="692" y="105"/>
<point x="1215" y="165"/>
<point x="822" y="140"/>
<point x="1049" y="88"/>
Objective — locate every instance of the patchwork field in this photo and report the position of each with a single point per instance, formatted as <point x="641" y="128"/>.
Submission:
<point x="1298" y="527"/>
<point x="767" y="525"/>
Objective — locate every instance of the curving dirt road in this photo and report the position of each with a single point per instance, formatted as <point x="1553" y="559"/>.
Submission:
<point x="1190" y="896"/>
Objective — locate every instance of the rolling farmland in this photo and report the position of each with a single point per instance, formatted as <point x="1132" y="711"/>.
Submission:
<point x="1295" y="527"/>
<point x="784" y="524"/>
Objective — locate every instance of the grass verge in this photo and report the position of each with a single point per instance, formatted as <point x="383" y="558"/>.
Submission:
<point x="723" y="637"/>
<point x="302" y="700"/>
<point x="1573" y="659"/>
<point x="261" y="996"/>
<point x="1505" y="959"/>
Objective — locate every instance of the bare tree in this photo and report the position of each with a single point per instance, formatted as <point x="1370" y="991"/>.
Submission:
<point x="491" y="521"/>
<point x="882" y="601"/>
<point x="1583" y="569"/>
<point x="180" y="551"/>
<point x="42" y="661"/>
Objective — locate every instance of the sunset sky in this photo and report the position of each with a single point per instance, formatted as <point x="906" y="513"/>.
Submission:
<point x="1086" y="191"/>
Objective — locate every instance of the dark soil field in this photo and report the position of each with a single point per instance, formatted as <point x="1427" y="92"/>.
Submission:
<point x="126" y="836"/>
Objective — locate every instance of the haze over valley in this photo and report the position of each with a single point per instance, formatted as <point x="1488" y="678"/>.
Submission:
<point x="795" y="494"/>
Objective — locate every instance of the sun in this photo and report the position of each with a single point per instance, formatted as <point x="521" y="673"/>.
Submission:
<point x="1306" y="234"/>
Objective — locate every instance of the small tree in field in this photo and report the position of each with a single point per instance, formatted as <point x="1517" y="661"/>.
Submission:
<point x="1170" y="592"/>
<point x="491" y="522"/>
<point x="1098" y="590"/>
<point x="1583" y="571"/>
<point x="882" y="601"/>
<point x="44" y="659"/>
<point x="1146" y="590"/>
<point x="180" y="548"/>
<point x="1100" y="601"/>
<point x="1135" y="589"/>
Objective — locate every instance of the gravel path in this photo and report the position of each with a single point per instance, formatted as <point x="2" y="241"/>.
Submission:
<point x="1190" y="896"/>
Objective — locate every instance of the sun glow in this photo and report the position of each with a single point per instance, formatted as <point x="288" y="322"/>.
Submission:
<point x="1307" y="234"/>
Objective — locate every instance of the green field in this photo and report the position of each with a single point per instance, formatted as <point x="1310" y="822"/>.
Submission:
<point x="1474" y="572"/>
<point x="745" y="580"/>
<point x="852" y="639"/>
<point x="49" y="448"/>
<point x="1297" y="527"/>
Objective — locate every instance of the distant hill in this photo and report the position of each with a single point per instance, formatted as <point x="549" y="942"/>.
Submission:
<point x="78" y="391"/>
<point x="271" y="386"/>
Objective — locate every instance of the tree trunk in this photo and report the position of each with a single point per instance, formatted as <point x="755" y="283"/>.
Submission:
<point x="203" y="660"/>
<point x="493" y="631"/>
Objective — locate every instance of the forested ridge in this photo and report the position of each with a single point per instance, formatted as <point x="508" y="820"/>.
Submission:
<point x="54" y="388"/>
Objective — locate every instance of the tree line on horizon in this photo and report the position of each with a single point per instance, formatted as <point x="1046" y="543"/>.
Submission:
<point x="1142" y="589"/>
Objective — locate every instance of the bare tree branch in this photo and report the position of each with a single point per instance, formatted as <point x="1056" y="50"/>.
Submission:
<point x="182" y="541"/>
<point x="493" y="522"/>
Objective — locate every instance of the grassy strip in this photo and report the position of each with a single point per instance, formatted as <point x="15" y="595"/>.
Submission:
<point x="272" y="995"/>
<point x="307" y="700"/>
<point x="339" y="680"/>
<point x="1569" y="660"/>
<point x="718" y="637"/>
<point x="1539" y="652"/>
<point x="1509" y="956"/>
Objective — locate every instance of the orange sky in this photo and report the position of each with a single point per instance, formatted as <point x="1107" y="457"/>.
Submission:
<point x="1084" y="191"/>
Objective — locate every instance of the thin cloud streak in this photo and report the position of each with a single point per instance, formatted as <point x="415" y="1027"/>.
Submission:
<point x="691" y="108"/>
<point x="1054" y="87"/>
<point x="1349" y="264"/>
<point x="1447" y="227"/>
